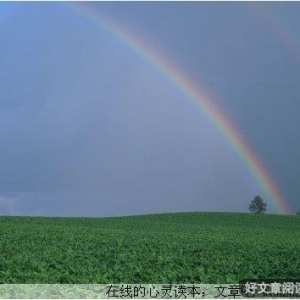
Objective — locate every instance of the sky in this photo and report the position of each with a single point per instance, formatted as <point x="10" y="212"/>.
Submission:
<point x="90" y="127"/>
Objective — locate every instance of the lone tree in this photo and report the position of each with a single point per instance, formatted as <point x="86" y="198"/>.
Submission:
<point x="258" y="205"/>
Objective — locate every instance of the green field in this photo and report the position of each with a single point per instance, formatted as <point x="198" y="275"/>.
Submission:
<point x="162" y="248"/>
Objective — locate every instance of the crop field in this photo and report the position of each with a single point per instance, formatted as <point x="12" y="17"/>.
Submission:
<point x="162" y="248"/>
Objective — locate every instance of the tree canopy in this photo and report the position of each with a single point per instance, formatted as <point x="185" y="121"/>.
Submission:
<point x="258" y="205"/>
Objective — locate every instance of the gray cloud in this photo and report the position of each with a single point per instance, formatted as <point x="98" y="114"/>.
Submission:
<point x="87" y="127"/>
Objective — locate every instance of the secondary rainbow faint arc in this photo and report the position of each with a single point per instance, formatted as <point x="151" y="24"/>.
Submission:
<point x="195" y="96"/>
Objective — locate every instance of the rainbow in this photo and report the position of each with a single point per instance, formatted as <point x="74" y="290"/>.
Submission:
<point x="196" y="96"/>
<point x="279" y="27"/>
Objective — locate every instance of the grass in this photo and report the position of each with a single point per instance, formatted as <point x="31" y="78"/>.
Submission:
<point x="162" y="248"/>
